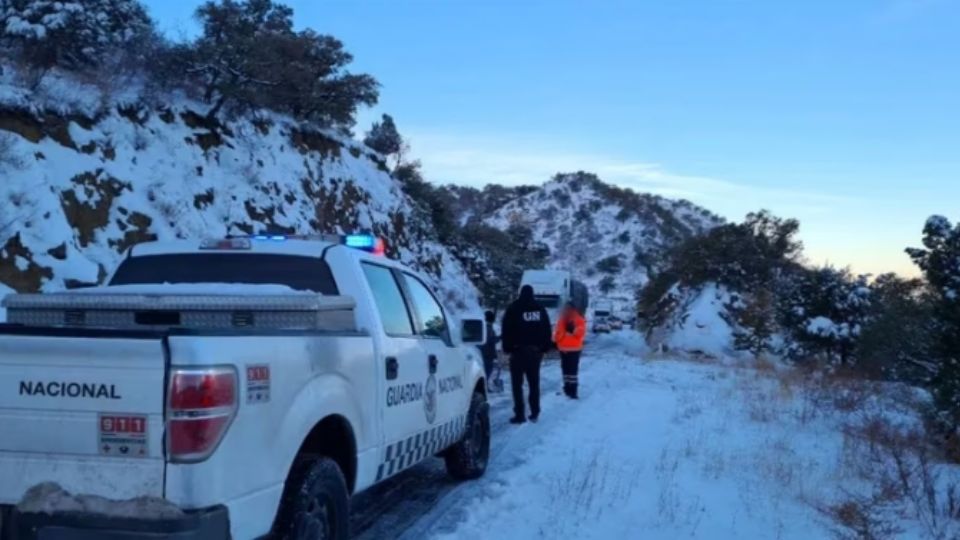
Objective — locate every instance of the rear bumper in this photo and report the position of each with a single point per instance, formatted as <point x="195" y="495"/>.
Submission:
<point x="211" y="523"/>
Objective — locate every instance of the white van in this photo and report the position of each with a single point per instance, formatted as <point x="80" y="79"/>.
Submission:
<point x="554" y="288"/>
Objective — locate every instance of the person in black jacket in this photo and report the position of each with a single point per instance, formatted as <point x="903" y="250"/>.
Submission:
<point x="526" y="337"/>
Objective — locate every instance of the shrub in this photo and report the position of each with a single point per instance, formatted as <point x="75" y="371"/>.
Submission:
<point x="71" y="34"/>
<point x="898" y="340"/>
<point x="939" y="260"/>
<point x="249" y="56"/>
<point x="610" y="265"/>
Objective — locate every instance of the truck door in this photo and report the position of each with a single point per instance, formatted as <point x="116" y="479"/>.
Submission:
<point x="403" y="374"/>
<point x="446" y="362"/>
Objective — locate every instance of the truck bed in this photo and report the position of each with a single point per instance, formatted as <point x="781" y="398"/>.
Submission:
<point x="115" y="310"/>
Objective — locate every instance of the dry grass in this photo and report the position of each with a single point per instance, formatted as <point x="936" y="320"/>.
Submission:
<point x="894" y="475"/>
<point x="902" y="469"/>
<point x="593" y="486"/>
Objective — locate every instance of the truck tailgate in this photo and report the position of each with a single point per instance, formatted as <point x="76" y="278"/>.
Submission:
<point x="83" y="409"/>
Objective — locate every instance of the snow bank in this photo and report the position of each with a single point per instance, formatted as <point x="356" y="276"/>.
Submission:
<point x="699" y="325"/>
<point x="825" y="327"/>
<point x="50" y="498"/>
<point x="669" y="449"/>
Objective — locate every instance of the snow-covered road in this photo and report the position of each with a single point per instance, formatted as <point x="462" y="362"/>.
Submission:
<point x="654" y="449"/>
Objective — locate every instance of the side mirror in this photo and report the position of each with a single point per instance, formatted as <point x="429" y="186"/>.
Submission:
<point x="474" y="331"/>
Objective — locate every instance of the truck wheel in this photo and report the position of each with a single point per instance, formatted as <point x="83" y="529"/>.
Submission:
<point x="315" y="503"/>
<point x="468" y="458"/>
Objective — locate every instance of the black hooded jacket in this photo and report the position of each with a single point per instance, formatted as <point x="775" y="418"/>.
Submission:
<point x="526" y="325"/>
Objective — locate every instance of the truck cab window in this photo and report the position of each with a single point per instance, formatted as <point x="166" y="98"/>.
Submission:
<point x="432" y="322"/>
<point x="548" y="301"/>
<point x="294" y="271"/>
<point x="386" y="294"/>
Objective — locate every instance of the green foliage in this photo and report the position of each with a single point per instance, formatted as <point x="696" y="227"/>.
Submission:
<point x="939" y="259"/>
<point x="739" y="256"/>
<point x="755" y="315"/>
<point x="607" y="284"/>
<point x="898" y="340"/>
<point x="495" y="260"/>
<point x="249" y="56"/>
<point x="610" y="265"/>
<point x="430" y="199"/>
<point x="823" y="311"/>
<point x="384" y="137"/>
<point x="653" y="301"/>
<point x="72" y="35"/>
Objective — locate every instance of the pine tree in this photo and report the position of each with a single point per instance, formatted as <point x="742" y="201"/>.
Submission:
<point x="607" y="284"/>
<point x="898" y="341"/>
<point x="824" y="310"/>
<point x="70" y="34"/>
<point x="384" y="138"/>
<point x="250" y="56"/>
<point x="939" y="260"/>
<point x="755" y="317"/>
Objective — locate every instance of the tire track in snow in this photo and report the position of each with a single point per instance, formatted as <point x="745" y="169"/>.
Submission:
<point x="424" y="501"/>
<point x="414" y="503"/>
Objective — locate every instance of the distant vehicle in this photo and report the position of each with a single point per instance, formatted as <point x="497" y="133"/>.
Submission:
<point x="602" y="312"/>
<point x="255" y="383"/>
<point x="554" y="288"/>
<point x="615" y="323"/>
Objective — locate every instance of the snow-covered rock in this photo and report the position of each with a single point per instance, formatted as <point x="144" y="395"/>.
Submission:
<point x="698" y="322"/>
<point x="82" y="185"/>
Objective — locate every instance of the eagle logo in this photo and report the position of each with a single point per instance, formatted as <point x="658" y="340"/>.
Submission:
<point x="430" y="399"/>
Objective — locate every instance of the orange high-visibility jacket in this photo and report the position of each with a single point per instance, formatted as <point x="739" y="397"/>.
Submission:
<point x="567" y="341"/>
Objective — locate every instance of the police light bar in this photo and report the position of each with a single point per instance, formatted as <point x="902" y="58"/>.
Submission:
<point x="365" y="242"/>
<point x="225" y="243"/>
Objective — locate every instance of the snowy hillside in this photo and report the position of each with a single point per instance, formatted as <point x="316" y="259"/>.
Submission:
<point x="87" y="175"/>
<point x="608" y="237"/>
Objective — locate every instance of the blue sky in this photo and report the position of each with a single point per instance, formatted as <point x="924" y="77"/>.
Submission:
<point x="844" y="114"/>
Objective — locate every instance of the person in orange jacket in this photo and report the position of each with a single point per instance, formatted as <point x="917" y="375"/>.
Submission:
<point x="568" y="336"/>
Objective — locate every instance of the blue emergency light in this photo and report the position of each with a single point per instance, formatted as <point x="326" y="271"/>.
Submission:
<point x="360" y="241"/>
<point x="365" y="242"/>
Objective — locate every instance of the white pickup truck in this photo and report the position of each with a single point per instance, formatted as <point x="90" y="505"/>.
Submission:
<point x="250" y="385"/>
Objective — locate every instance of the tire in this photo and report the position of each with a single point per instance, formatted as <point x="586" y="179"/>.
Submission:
<point x="468" y="459"/>
<point x="315" y="504"/>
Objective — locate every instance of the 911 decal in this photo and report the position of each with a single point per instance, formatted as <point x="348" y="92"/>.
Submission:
<point x="258" y="383"/>
<point x="122" y="435"/>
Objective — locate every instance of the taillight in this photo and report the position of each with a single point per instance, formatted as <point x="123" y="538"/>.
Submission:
<point x="200" y="406"/>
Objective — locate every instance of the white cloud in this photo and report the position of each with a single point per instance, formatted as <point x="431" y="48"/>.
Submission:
<point x="478" y="161"/>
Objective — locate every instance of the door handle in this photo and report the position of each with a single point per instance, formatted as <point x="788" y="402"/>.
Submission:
<point x="393" y="368"/>
<point x="433" y="363"/>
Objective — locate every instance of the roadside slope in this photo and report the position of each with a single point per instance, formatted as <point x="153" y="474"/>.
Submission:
<point x="87" y="175"/>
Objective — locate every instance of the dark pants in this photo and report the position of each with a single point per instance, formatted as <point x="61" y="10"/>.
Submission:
<point x="488" y="366"/>
<point x="525" y="364"/>
<point x="570" y="365"/>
